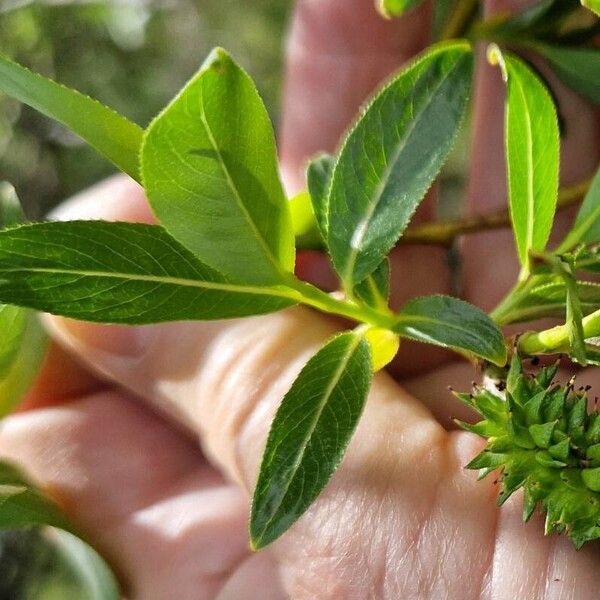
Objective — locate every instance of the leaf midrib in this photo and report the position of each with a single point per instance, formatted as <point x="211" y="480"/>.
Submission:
<point x="530" y="172"/>
<point x="381" y="186"/>
<point x="167" y="280"/>
<point x="321" y="407"/>
<point x="423" y="319"/>
<point x="248" y="218"/>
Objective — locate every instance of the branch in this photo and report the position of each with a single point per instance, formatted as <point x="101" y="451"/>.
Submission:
<point x="444" y="233"/>
<point x="459" y="21"/>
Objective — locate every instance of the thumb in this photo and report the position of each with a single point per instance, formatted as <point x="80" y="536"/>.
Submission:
<point x="401" y="479"/>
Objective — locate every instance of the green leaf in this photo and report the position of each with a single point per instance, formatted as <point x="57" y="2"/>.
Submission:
<point x="588" y="259"/>
<point x="209" y="166"/>
<point x="574" y="319"/>
<point x="318" y="179"/>
<point x="542" y="19"/>
<point x="23" y="341"/>
<point x="546" y="297"/>
<point x="395" y="8"/>
<point x="117" y="138"/>
<point x="392" y="156"/>
<point x="532" y="153"/>
<point x="592" y="354"/>
<point x="593" y="5"/>
<point x="11" y="211"/>
<point x="309" y="435"/>
<point x="452" y="323"/>
<point x="120" y="273"/>
<point x="306" y="230"/>
<point x="587" y="224"/>
<point x="22" y="351"/>
<point x="95" y="579"/>
<point x="23" y="505"/>
<point x="579" y="68"/>
<point x="375" y="288"/>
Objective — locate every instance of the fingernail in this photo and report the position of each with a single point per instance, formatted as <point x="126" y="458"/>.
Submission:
<point x="120" y="340"/>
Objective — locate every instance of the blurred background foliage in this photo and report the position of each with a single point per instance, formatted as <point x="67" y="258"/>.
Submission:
<point x="132" y="55"/>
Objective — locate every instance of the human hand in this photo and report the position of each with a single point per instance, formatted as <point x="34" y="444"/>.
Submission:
<point x="401" y="519"/>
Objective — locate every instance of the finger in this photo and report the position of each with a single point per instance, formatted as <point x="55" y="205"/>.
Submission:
<point x="490" y="263"/>
<point x="116" y="198"/>
<point x="142" y="493"/>
<point x="62" y="378"/>
<point x="396" y="521"/>
<point x="226" y="382"/>
<point x="338" y="51"/>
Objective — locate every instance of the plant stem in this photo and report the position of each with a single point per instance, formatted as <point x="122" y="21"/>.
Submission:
<point x="312" y="296"/>
<point x="503" y="313"/>
<point x="460" y="19"/>
<point x="444" y="233"/>
<point x="556" y="339"/>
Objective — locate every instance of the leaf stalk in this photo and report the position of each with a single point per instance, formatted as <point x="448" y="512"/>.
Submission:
<point x="556" y="340"/>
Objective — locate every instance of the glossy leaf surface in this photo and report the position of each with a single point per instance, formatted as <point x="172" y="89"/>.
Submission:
<point x="452" y="323"/>
<point x="392" y="156"/>
<point x="310" y="434"/>
<point x="532" y="154"/>
<point x="318" y="179"/>
<point x="120" y="273"/>
<point x="210" y="171"/>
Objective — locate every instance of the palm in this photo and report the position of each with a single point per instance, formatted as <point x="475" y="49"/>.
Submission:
<point x="401" y="518"/>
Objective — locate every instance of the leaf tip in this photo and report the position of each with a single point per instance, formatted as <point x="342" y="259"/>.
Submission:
<point x="258" y="536"/>
<point x="501" y="358"/>
<point x="216" y="60"/>
<point x="496" y="59"/>
<point x="382" y="9"/>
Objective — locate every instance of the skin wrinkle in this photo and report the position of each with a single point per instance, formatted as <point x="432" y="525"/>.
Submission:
<point x="273" y="381"/>
<point x="425" y="521"/>
<point x="547" y="574"/>
<point x="219" y="378"/>
<point x="138" y="590"/>
<point x="487" y="578"/>
<point x="462" y="490"/>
